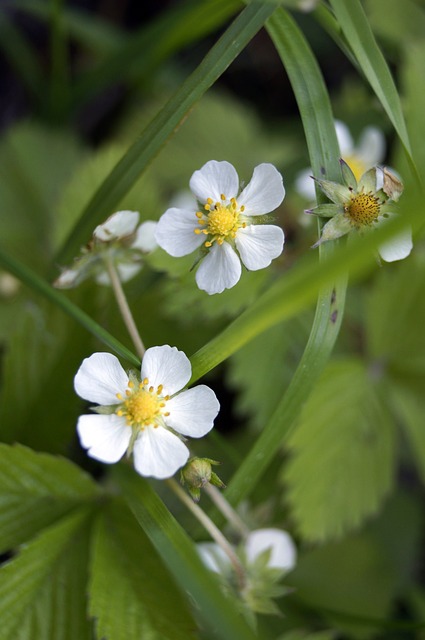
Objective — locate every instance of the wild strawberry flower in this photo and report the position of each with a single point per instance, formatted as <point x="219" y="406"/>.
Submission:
<point x="119" y="239"/>
<point x="362" y="206"/>
<point x="265" y="555"/>
<point x="367" y="153"/>
<point x="226" y="224"/>
<point x="282" y="553"/>
<point x="146" y="415"/>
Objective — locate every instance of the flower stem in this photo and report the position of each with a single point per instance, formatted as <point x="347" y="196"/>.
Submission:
<point x="126" y="314"/>
<point x="226" y="509"/>
<point x="212" y="529"/>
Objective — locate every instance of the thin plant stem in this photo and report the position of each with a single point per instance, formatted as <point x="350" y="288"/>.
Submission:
<point x="226" y="509"/>
<point x="124" y="308"/>
<point x="212" y="529"/>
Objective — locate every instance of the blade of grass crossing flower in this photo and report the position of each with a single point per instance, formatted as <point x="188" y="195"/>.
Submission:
<point x="130" y="167"/>
<point x="355" y="26"/>
<point x="178" y="553"/>
<point x="42" y="287"/>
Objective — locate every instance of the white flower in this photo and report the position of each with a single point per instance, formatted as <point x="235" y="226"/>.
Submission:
<point x="225" y="224"/>
<point x="146" y="416"/>
<point x="369" y="151"/>
<point x="283" y="553"/>
<point x="118" y="239"/>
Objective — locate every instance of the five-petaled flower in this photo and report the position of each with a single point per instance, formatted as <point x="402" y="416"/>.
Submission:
<point x="144" y="415"/>
<point x="362" y="206"/>
<point x="225" y="224"/>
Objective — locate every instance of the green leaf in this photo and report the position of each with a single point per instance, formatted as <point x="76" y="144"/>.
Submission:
<point x="341" y="463"/>
<point x="408" y="406"/>
<point x="354" y="583"/>
<point x="35" y="490"/>
<point x="395" y="316"/>
<point x="42" y="590"/>
<point x="276" y="350"/>
<point x="168" y="119"/>
<point x="132" y="595"/>
<point x="359" y="36"/>
<point x="179" y="555"/>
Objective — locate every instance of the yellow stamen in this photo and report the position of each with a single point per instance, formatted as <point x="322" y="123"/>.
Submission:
<point x="363" y="209"/>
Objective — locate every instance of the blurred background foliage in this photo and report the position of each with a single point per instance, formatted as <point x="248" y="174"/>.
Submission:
<point x="79" y="82"/>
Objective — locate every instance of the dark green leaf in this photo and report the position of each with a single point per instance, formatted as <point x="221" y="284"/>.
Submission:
<point x="132" y="595"/>
<point x="42" y="590"/>
<point x="35" y="490"/>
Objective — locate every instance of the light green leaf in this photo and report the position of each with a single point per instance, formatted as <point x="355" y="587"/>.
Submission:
<point x="132" y="595"/>
<point x="179" y="555"/>
<point x="42" y="590"/>
<point x="342" y="452"/>
<point x="35" y="490"/>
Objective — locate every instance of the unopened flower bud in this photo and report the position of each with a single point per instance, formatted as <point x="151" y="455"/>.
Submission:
<point x="197" y="473"/>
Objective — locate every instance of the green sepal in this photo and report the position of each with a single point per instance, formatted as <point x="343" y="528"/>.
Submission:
<point x="325" y="210"/>
<point x="335" y="228"/>
<point x="367" y="182"/>
<point x="347" y="175"/>
<point x="338" y="193"/>
<point x="105" y="410"/>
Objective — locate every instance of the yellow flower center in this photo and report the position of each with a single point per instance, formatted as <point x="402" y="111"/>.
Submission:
<point x="363" y="209"/>
<point x="356" y="165"/>
<point x="143" y="405"/>
<point x="220" y="221"/>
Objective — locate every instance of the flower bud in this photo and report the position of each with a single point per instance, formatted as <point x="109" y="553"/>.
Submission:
<point x="197" y="473"/>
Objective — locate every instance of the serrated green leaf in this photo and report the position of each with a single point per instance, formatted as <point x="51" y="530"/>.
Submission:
<point x="342" y="454"/>
<point x="395" y="317"/>
<point x="35" y="490"/>
<point x="132" y="595"/>
<point x="42" y="589"/>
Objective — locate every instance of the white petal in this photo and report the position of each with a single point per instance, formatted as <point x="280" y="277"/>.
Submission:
<point x="175" y="232"/>
<point x="371" y="147"/>
<point x="100" y="378"/>
<point x="214" y="180"/>
<point x="158" y="453"/>
<point x="212" y="556"/>
<point x="304" y="184"/>
<point x="192" y="412"/>
<point x="105" y="437"/>
<point x="283" y="551"/>
<point x="167" y="366"/>
<point x="345" y="141"/>
<point x="259" y="244"/>
<point x="265" y="191"/>
<point x="119" y="225"/>
<point x="398" y="247"/>
<point x="220" y="269"/>
<point x="145" y="237"/>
